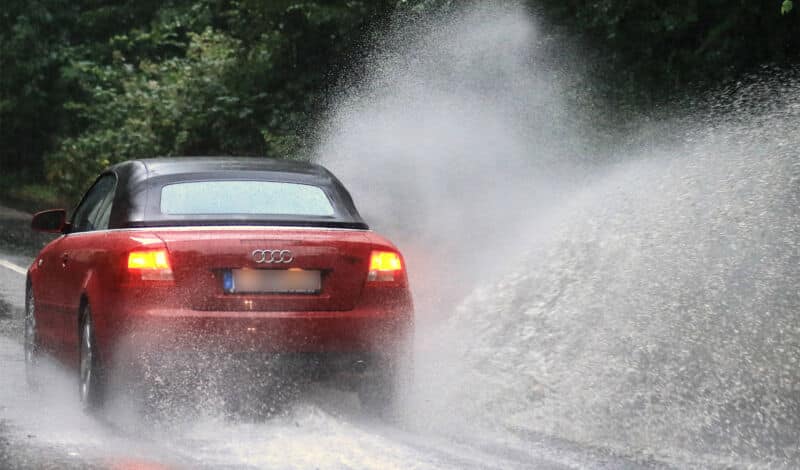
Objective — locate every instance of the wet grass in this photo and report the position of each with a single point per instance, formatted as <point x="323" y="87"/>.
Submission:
<point x="28" y="194"/>
<point x="17" y="237"/>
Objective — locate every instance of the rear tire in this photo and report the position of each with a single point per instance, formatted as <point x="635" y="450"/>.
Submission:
<point x="31" y="342"/>
<point x="91" y="376"/>
<point x="377" y="394"/>
<point x="380" y="390"/>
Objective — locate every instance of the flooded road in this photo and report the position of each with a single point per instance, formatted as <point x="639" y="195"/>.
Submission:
<point x="324" y="428"/>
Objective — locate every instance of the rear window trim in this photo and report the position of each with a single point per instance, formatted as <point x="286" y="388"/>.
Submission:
<point x="145" y="227"/>
<point x="330" y="223"/>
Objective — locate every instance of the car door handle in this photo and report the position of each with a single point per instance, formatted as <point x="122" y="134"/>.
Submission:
<point x="64" y="259"/>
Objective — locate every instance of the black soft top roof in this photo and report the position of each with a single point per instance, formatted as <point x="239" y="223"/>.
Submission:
<point x="137" y="202"/>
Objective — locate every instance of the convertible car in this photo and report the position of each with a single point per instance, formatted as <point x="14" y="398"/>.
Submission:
<point x="254" y="258"/>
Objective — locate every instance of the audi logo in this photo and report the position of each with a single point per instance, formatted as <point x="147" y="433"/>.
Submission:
<point x="272" y="256"/>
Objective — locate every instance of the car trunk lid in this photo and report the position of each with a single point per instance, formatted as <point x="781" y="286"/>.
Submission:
<point x="203" y="261"/>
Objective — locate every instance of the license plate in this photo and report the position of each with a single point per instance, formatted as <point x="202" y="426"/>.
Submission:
<point x="272" y="281"/>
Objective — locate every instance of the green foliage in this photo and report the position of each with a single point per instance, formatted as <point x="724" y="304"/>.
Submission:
<point x="656" y="49"/>
<point x="425" y="6"/>
<point x="146" y="109"/>
<point x="30" y="57"/>
<point x="84" y="84"/>
<point x="146" y="78"/>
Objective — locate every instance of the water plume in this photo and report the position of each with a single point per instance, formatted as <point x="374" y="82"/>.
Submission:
<point x="645" y="302"/>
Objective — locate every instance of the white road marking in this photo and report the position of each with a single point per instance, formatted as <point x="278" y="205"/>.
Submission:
<point x="16" y="268"/>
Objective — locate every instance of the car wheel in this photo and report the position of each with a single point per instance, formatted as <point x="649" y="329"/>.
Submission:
<point x="91" y="376"/>
<point x="379" y="389"/>
<point x="376" y="393"/>
<point x="31" y="341"/>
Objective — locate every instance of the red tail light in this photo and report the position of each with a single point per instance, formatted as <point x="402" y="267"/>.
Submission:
<point x="385" y="266"/>
<point x="150" y="265"/>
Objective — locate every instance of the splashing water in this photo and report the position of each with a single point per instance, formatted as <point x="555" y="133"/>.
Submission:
<point x="453" y="135"/>
<point x="649" y="305"/>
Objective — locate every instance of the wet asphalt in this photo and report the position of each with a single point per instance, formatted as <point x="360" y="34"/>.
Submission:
<point x="20" y="449"/>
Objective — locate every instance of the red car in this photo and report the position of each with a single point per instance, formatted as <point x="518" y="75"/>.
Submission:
<point x="246" y="256"/>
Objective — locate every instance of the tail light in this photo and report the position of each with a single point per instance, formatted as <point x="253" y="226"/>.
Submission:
<point x="150" y="265"/>
<point x="385" y="267"/>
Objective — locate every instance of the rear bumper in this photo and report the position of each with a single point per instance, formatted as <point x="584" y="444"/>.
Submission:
<point x="273" y="332"/>
<point x="369" y="328"/>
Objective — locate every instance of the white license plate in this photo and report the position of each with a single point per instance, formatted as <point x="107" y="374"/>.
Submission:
<point x="274" y="281"/>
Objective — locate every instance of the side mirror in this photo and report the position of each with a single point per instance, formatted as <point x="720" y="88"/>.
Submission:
<point x="52" y="221"/>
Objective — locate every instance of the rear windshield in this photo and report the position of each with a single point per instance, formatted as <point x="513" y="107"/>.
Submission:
<point x="244" y="197"/>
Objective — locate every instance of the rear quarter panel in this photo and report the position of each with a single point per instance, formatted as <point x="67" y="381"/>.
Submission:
<point x="92" y="274"/>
